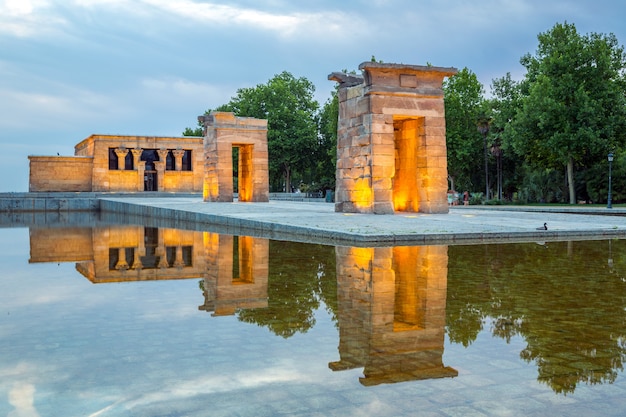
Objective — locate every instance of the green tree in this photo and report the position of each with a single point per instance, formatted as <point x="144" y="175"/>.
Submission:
<point x="327" y="149"/>
<point x="573" y="109"/>
<point x="463" y="97"/>
<point x="291" y="112"/>
<point x="503" y="105"/>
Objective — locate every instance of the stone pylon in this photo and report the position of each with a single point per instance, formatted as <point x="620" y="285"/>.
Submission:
<point x="223" y="131"/>
<point x="391" y="140"/>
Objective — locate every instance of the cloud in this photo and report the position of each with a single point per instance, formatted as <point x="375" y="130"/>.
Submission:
<point x="22" y="397"/>
<point x="27" y="18"/>
<point x="176" y="89"/>
<point x="329" y="23"/>
<point x="36" y="18"/>
<point x="177" y="390"/>
<point x="55" y="110"/>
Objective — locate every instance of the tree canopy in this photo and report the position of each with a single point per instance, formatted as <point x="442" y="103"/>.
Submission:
<point x="573" y="108"/>
<point x="288" y="105"/>
<point x="547" y="140"/>
<point x="463" y="96"/>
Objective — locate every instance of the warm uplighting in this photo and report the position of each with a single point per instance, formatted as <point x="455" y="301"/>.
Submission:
<point x="409" y="309"/>
<point x="408" y="135"/>
<point x="362" y="193"/>
<point x="361" y="258"/>
<point x="245" y="170"/>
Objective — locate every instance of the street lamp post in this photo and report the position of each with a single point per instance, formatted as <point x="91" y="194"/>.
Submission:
<point x="483" y="128"/>
<point x="610" y="157"/>
<point x="496" y="151"/>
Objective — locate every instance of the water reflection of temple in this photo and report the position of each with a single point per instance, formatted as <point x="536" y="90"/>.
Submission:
<point x="391" y="302"/>
<point x="392" y="312"/>
<point x="236" y="275"/>
<point x="233" y="269"/>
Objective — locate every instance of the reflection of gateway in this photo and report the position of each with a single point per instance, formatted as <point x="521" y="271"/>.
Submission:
<point x="392" y="312"/>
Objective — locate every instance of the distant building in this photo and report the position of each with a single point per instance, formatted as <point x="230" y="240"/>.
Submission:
<point x="115" y="163"/>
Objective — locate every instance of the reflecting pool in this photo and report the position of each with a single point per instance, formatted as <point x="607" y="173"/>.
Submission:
<point x="130" y="320"/>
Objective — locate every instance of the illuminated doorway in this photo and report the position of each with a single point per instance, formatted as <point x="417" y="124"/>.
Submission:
<point x="408" y="135"/>
<point x="236" y="158"/>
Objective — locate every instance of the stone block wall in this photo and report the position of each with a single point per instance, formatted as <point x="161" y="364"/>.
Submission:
<point x="391" y="145"/>
<point x="223" y="132"/>
<point x="60" y="173"/>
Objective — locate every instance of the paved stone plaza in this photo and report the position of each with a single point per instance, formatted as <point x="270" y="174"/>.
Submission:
<point x="318" y="222"/>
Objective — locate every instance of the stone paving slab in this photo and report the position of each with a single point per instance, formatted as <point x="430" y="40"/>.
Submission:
<point x="318" y="222"/>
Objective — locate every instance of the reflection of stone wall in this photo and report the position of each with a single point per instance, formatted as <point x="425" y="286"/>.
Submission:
<point x="223" y="132"/>
<point x="234" y="269"/>
<point x="138" y="253"/>
<point x="391" y="144"/>
<point x="237" y="273"/>
<point x="391" y="312"/>
<point x="62" y="244"/>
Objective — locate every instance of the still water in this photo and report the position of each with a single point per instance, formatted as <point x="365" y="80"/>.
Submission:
<point x="141" y="321"/>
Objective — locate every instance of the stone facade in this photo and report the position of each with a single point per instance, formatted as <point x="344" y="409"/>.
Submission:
<point x="116" y="163"/>
<point x="223" y="131"/>
<point x="391" y="140"/>
<point x="60" y="173"/>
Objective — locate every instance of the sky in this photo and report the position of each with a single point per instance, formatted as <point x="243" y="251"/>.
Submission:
<point x="72" y="68"/>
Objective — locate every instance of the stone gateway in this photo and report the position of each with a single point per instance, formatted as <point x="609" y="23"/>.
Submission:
<point x="391" y="140"/>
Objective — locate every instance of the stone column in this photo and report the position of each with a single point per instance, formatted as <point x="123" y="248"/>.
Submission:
<point x="179" y="263"/>
<point x="122" y="264"/>
<point x="139" y="166"/>
<point x="121" y="157"/>
<point x="178" y="158"/>
<point x="160" y="168"/>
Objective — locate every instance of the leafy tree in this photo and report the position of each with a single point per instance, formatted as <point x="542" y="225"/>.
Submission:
<point x="503" y="105"/>
<point x="300" y="276"/>
<point x="573" y="109"/>
<point x="463" y="97"/>
<point x="288" y="105"/>
<point x="327" y="150"/>
<point x="561" y="298"/>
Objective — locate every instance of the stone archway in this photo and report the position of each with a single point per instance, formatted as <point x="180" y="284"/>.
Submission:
<point x="223" y="131"/>
<point x="391" y="140"/>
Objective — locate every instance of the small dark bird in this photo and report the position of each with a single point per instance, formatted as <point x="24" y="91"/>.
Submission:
<point x="544" y="227"/>
<point x="58" y="154"/>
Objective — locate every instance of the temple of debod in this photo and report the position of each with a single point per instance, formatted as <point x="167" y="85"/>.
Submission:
<point x="391" y="150"/>
<point x="391" y="301"/>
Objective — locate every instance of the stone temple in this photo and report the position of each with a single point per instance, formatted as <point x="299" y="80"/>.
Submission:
<point x="391" y="150"/>
<point x="391" y="140"/>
